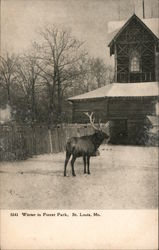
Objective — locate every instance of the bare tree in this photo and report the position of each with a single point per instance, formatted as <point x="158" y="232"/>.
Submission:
<point x="59" y="56"/>
<point x="29" y="81"/>
<point x="94" y="73"/>
<point x="8" y="75"/>
<point x="101" y="74"/>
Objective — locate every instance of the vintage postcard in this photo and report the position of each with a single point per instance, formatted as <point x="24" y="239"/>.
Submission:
<point x="79" y="124"/>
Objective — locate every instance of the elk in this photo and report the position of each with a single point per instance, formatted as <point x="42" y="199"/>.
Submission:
<point x="85" y="146"/>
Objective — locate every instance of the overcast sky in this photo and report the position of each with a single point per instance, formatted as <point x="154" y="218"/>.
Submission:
<point x="88" y="19"/>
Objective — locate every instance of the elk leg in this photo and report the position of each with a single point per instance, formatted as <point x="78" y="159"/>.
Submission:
<point x="88" y="161"/>
<point x="72" y="164"/>
<point x="84" y="161"/>
<point x="66" y="161"/>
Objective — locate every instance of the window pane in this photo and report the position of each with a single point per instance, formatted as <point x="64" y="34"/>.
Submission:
<point x="135" y="62"/>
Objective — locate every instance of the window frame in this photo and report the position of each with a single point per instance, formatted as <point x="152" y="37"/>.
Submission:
<point x="134" y="54"/>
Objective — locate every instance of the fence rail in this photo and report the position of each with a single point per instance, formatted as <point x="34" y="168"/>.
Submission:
<point x="20" y="142"/>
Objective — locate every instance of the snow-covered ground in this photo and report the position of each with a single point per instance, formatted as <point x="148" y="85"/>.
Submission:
<point x="122" y="177"/>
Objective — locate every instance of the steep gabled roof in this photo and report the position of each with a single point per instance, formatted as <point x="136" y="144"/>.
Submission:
<point x="116" y="28"/>
<point x="141" y="89"/>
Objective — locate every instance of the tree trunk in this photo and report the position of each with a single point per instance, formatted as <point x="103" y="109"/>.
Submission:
<point x="8" y="93"/>
<point x="33" y="104"/>
<point x="59" y="101"/>
<point x="59" y="97"/>
<point x="51" y="102"/>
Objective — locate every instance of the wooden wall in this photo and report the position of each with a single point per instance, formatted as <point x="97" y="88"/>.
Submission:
<point x="105" y="109"/>
<point x="99" y="107"/>
<point x="126" y="109"/>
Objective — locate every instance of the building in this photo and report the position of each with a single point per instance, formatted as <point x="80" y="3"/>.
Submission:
<point x="135" y="45"/>
<point x="5" y="115"/>
<point x="127" y="102"/>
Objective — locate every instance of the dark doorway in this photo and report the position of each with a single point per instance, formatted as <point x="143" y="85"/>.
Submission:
<point x="118" y="131"/>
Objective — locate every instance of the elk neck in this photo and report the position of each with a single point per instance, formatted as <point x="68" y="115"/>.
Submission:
<point x="97" y="139"/>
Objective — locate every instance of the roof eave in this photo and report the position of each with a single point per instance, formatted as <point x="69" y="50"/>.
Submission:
<point x="156" y="97"/>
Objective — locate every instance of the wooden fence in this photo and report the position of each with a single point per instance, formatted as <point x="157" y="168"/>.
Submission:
<point x="20" y="142"/>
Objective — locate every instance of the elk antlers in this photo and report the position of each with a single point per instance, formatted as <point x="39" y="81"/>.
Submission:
<point x="92" y="120"/>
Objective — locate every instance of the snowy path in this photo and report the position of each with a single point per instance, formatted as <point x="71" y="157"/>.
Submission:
<point x="122" y="177"/>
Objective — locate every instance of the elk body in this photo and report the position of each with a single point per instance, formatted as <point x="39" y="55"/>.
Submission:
<point x="85" y="146"/>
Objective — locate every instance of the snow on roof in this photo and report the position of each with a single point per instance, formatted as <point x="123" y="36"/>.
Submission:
<point x="144" y="89"/>
<point x="154" y="120"/>
<point x="115" y="26"/>
<point x="5" y="114"/>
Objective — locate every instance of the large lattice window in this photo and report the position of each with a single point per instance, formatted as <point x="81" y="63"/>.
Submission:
<point x="134" y="61"/>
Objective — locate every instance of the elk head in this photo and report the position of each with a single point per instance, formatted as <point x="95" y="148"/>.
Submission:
<point x="98" y="129"/>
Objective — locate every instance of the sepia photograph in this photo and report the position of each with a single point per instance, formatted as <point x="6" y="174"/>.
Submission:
<point x="79" y="105"/>
<point x="78" y="81"/>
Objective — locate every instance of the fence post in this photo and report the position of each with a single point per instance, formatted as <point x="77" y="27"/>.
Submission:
<point x="50" y="140"/>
